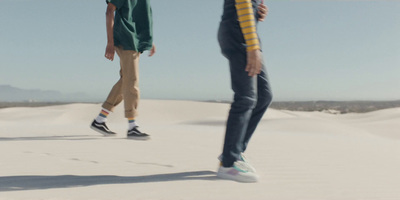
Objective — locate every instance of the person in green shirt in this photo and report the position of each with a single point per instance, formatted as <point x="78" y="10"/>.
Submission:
<point x="129" y="33"/>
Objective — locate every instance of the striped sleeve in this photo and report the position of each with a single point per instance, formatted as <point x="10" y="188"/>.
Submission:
<point x="247" y="22"/>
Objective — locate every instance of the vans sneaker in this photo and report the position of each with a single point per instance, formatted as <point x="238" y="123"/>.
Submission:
<point x="135" y="134"/>
<point x="101" y="128"/>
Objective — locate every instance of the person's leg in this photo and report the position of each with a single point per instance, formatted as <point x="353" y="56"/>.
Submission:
<point x="240" y="113"/>
<point x="130" y="90"/>
<point x="244" y="87"/>
<point x="114" y="97"/>
<point x="129" y="80"/>
<point x="264" y="98"/>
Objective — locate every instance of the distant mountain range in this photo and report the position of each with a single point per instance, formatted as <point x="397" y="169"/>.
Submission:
<point x="12" y="94"/>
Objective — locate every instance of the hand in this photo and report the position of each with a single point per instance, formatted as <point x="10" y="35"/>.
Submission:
<point x="254" y="62"/>
<point x="262" y="11"/>
<point x="110" y="51"/>
<point x="152" y="50"/>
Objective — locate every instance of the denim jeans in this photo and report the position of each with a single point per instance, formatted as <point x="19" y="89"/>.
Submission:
<point x="252" y="95"/>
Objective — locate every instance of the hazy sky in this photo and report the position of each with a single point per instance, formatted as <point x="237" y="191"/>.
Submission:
<point x="314" y="50"/>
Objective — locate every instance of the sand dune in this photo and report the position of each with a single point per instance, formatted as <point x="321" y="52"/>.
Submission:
<point x="50" y="153"/>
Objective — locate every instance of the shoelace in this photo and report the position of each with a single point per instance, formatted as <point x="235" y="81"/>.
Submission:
<point x="241" y="166"/>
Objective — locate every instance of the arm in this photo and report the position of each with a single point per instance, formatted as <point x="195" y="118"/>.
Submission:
<point x="110" y="50"/>
<point x="248" y="26"/>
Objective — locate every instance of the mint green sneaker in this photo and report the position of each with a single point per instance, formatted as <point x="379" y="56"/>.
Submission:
<point x="238" y="172"/>
<point x="241" y="158"/>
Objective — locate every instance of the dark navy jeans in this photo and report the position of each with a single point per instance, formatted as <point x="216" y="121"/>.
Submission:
<point x="252" y="95"/>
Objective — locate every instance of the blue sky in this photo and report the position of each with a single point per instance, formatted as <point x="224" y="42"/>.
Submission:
<point x="314" y="50"/>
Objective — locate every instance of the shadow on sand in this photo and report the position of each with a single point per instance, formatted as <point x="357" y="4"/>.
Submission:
<point x="63" y="137"/>
<point x="206" y="123"/>
<point x="19" y="183"/>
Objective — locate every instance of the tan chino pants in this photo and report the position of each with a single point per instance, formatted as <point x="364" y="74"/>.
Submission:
<point x="127" y="87"/>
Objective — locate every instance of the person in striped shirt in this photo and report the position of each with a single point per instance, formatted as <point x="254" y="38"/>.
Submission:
<point x="240" y="44"/>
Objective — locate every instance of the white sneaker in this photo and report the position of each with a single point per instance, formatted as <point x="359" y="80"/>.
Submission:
<point x="238" y="172"/>
<point x="241" y="158"/>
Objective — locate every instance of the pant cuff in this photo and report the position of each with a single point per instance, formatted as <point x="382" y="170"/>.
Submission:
<point x="108" y="106"/>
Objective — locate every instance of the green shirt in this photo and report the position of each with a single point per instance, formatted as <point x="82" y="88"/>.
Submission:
<point x="133" y="24"/>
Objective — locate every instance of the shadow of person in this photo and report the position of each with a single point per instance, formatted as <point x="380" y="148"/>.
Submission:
<point x="54" y="137"/>
<point x="18" y="183"/>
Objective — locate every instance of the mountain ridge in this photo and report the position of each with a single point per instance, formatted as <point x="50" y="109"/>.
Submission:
<point x="10" y="93"/>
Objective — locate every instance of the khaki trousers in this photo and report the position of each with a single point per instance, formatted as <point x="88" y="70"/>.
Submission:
<point x="127" y="87"/>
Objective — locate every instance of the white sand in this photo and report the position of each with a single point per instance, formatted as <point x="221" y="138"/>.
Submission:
<point x="50" y="153"/>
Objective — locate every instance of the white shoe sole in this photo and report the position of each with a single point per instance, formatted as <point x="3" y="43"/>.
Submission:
<point x="102" y="132"/>
<point x="138" y="138"/>
<point x="243" y="178"/>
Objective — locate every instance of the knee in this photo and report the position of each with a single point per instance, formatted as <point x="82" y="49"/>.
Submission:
<point x="245" y="102"/>
<point x="265" y="99"/>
